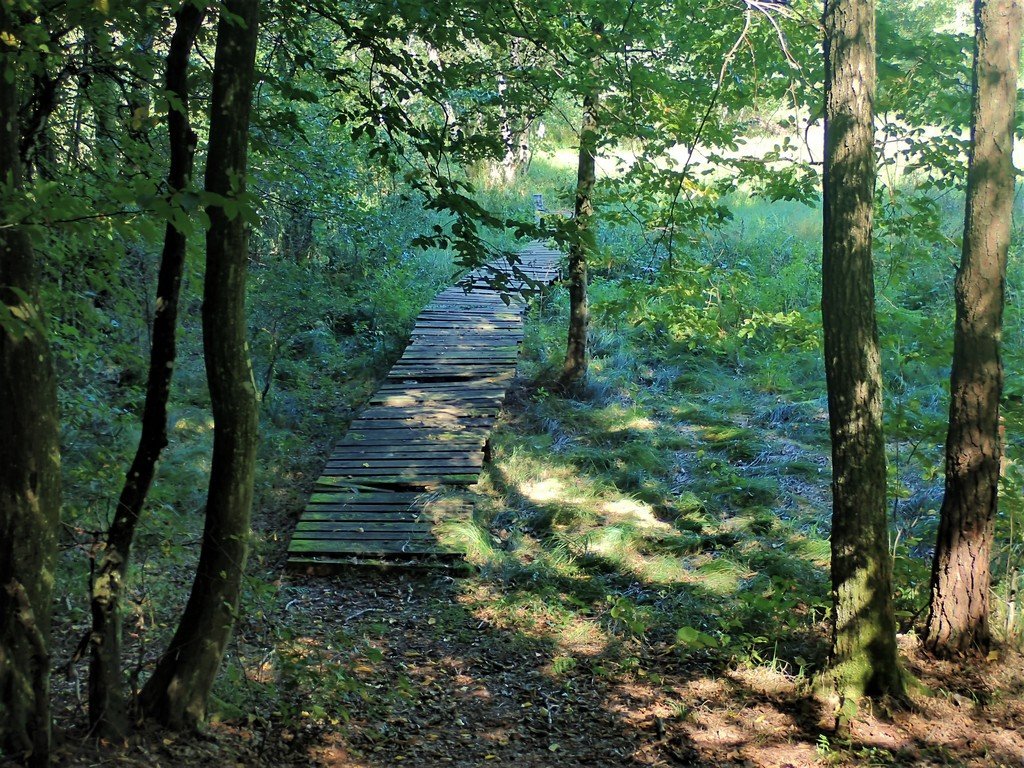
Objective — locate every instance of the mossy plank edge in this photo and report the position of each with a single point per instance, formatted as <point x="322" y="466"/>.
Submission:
<point x="308" y="566"/>
<point x="367" y="524"/>
<point x="383" y="547"/>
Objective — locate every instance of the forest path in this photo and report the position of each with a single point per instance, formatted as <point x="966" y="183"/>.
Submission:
<point x="387" y="483"/>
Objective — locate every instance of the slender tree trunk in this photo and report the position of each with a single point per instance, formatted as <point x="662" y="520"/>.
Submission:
<point x="864" y="657"/>
<point x="584" y="243"/>
<point x="508" y="138"/>
<point x="179" y="689"/>
<point x="29" y="463"/>
<point x="961" y="575"/>
<point x="106" y="702"/>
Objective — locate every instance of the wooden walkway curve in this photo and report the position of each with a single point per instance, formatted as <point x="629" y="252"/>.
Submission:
<point x="424" y="432"/>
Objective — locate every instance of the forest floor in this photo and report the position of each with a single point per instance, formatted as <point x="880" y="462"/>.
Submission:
<point x="451" y="686"/>
<point x="563" y="651"/>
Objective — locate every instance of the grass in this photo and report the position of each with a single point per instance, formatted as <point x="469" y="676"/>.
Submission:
<point x="696" y="458"/>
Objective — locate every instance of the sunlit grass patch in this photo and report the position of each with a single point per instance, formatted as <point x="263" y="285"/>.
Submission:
<point x="468" y="538"/>
<point x="542" y="614"/>
<point x="738" y="443"/>
<point x="720" y="575"/>
<point x="816" y="550"/>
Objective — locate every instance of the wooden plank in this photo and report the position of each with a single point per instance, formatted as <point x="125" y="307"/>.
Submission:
<point x="399" y="456"/>
<point x="402" y="450"/>
<point x="485" y="323"/>
<point x="416" y="436"/>
<point x="486" y="364"/>
<point x="448" y="507"/>
<point x="376" y="497"/>
<point x="426" y="425"/>
<point x="332" y="565"/>
<point x="442" y="357"/>
<point x="394" y="474"/>
<point x="483" y="387"/>
<point x="441" y="420"/>
<point x="438" y="420"/>
<point x="332" y="477"/>
<point x="327" y="513"/>
<point x="373" y="434"/>
<point x="439" y="400"/>
<point x="452" y="349"/>
<point x="423" y="458"/>
<point x="390" y="466"/>
<point x="445" y="432"/>
<point x="431" y="412"/>
<point x="405" y="398"/>
<point x="385" y="440"/>
<point x="437" y="312"/>
<point x="476" y="368"/>
<point x="422" y="480"/>
<point x="366" y="534"/>
<point x="390" y="439"/>
<point x="473" y="369"/>
<point x="484" y="327"/>
<point x="318" y="516"/>
<point x="344" y="512"/>
<point x="365" y="431"/>
<point x="328" y="504"/>
<point x="335" y="547"/>
<point x="408" y="527"/>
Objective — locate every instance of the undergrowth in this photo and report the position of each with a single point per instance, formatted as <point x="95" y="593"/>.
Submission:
<point x="676" y="504"/>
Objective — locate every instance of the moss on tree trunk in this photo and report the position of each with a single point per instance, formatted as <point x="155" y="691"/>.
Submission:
<point x="583" y="244"/>
<point x="864" y="657"/>
<point x="29" y="463"/>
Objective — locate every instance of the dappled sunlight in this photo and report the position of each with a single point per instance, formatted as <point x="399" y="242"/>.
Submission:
<point x="550" y="489"/>
<point x="194" y="426"/>
<point x="637" y="423"/>
<point x="720" y="575"/>
<point x="570" y="634"/>
<point x="636" y="512"/>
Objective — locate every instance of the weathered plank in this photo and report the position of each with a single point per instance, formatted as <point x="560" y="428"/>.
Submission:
<point x="425" y="428"/>
<point x="346" y="547"/>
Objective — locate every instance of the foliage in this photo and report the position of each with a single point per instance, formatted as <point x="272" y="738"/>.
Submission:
<point x="682" y="498"/>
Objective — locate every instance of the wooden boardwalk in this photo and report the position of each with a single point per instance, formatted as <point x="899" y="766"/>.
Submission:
<point x="424" y="433"/>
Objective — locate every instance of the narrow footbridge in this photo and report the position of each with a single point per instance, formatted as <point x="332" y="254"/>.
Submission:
<point x="388" y="483"/>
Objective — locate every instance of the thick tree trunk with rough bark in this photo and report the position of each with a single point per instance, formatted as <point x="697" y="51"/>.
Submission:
<point x="961" y="576"/>
<point x="584" y="243"/>
<point x="106" y="700"/>
<point x="864" y="655"/>
<point x="179" y="689"/>
<point x="29" y="464"/>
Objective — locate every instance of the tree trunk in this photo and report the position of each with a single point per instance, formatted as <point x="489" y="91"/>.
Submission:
<point x="179" y="689"/>
<point x="864" y="657"/>
<point x="106" y="702"/>
<point x="29" y="463"/>
<point x="584" y="243"/>
<point x="508" y="137"/>
<point x="961" y="576"/>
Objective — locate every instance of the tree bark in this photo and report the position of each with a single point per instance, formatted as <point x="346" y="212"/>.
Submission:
<point x="584" y="243"/>
<point x="961" y="576"/>
<point x="106" y="701"/>
<point x="29" y="461"/>
<point x="864" y="659"/>
<point x="178" y="691"/>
